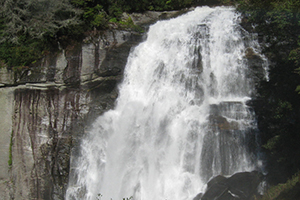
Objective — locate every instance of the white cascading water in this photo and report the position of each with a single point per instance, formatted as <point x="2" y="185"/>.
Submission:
<point x="180" y="117"/>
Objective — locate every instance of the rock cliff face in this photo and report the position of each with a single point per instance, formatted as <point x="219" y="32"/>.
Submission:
<point x="47" y="108"/>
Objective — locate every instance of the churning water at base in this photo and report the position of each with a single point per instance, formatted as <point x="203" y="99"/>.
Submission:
<point x="180" y="117"/>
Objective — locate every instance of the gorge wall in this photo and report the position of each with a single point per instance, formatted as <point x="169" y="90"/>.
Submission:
<point x="45" y="109"/>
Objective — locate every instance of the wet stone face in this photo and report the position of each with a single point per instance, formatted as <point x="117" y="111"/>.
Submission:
<point x="62" y="95"/>
<point x="242" y="185"/>
<point x="47" y="126"/>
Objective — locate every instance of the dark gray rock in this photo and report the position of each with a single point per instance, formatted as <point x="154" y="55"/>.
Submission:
<point x="216" y="180"/>
<point x="255" y="63"/>
<point x="242" y="185"/>
<point x="198" y="197"/>
<point x="217" y="154"/>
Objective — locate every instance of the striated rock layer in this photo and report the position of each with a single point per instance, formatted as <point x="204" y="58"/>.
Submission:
<point x="47" y="108"/>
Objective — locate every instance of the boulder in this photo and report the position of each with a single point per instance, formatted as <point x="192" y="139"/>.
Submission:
<point x="243" y="185"/>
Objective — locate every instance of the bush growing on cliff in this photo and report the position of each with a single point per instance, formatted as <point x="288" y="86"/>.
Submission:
<point x="10" y="150"/>
<point x="288" y="190"/>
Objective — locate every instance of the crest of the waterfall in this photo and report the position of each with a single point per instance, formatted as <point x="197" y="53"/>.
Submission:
<point x="180" y="117"/>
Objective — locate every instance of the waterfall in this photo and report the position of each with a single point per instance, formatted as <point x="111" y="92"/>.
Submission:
<point x="181" y="115"/>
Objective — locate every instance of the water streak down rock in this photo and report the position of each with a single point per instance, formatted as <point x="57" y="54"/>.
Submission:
<point x="47" y="108"/>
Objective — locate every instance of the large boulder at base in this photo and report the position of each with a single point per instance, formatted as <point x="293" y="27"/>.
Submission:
<point x="242" y="185"/>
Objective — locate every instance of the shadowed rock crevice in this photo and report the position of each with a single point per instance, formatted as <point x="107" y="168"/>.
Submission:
<point x="47" y="125"/>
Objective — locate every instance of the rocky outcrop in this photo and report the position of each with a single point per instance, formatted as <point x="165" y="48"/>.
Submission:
<point x="257" y="66"/>
<point x="101" y="54"/>
<point x="6" y="76"/>
<point x="6" y="110"/>
<point x="46" y="125"/>
<point x="244" y="185"/>
<point x="229" y="122"/>
<point x="45" y="110"/>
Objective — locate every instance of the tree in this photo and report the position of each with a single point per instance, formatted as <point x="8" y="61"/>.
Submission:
<point x="36" y="18"/>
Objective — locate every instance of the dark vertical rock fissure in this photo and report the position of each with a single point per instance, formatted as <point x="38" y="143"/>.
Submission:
<point x="56" y="101"/>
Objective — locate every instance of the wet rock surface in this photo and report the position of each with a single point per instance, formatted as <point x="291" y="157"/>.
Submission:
<point x="49" y="107"/>
<point x="47" y="124"/>
<point x="229" y="122"/>
<point x="242" y="185"/>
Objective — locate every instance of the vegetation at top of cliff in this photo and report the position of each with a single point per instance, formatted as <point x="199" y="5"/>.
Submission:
<point x="29" y="29"/>
<point x="277" y="23"/>
<point x="10" y="150"/>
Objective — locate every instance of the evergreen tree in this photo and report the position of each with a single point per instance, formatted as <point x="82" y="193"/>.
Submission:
<point x="36" y="18"/>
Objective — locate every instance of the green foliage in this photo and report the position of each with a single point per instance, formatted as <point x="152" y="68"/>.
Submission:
<point x="115" y="10"/>
<point x="128" y="23"/>
<point x="113" y="20"/>
<point x="298" y="89"/>
<point x="36" y="18"/>
<point x="98" y="13"/>
<point x="24" y="53"/>
<point x="99" y="20"/>
<point x="79" y="3"/>
<point x="96" y="16"/>
<point x="295" y="56"/>
<point x="29" y="28"/>
<point x="10" y="150"/>
<point x="281" y="109"/>
<point x="282" y="191"/>
<point x="271" y="143"/>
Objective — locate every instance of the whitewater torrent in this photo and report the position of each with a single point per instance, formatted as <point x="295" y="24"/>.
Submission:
<point x="181" y="115"/>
